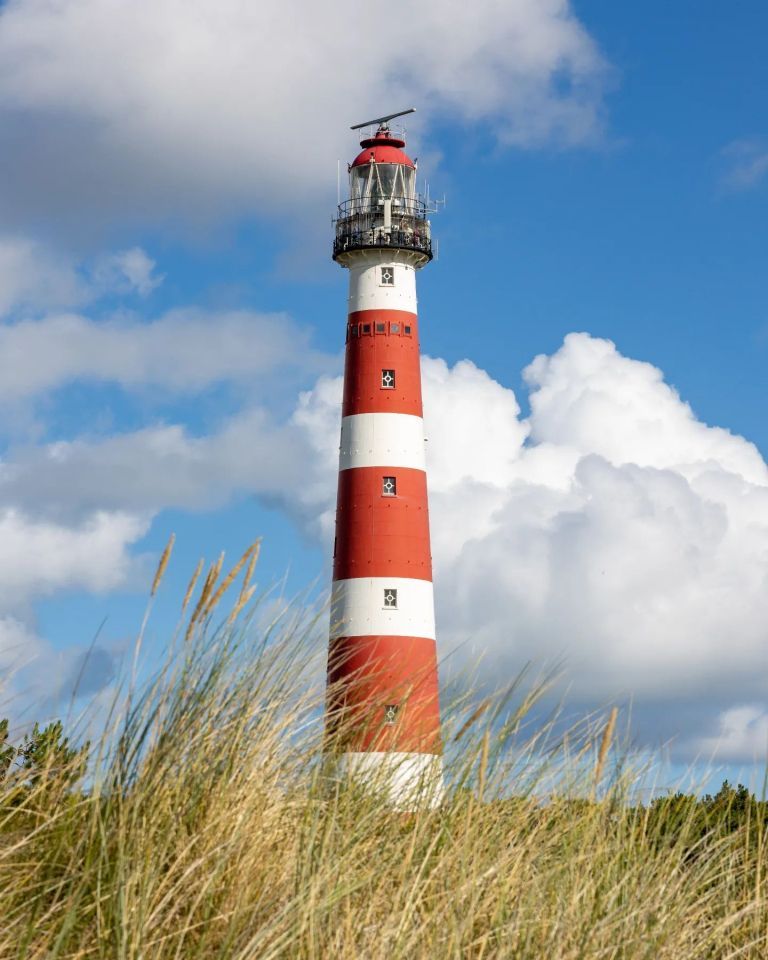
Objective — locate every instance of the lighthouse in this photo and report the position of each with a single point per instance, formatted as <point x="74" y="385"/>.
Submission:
<point x="383" y="718"/>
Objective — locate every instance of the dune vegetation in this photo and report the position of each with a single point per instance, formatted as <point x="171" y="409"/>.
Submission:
<point x="204" y="823"/>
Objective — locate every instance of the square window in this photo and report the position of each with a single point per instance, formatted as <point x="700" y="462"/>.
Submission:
<point x="381" y="328"/>
<point x="353" y="329"/>
<point x="389" y="486"/>
<point x="390" y="713"/>
<point x="388" y="379"/>
<point x="366" y="328"/>
<point x="407" y="331"/>
<point x="387" y="276"/>
<point x="394" y="328"/>
<point x="390" y="598"/>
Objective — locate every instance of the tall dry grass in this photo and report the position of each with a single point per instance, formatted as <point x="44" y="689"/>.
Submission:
<point x="208" y="827"/>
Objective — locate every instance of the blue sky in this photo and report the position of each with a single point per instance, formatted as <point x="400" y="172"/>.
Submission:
<point x="167" y="293"/>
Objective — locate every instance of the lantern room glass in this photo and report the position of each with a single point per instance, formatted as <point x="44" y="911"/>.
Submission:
<point x="373" y="183"/>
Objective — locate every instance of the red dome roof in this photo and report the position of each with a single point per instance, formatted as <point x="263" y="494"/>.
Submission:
<point x="383" y="148"/>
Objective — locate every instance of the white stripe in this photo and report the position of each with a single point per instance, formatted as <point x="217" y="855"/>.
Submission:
<point x="358" y="610"/>
<point x="408" y="781"/>
<point x="366" y="292"/>
<point x="382" y="440"/>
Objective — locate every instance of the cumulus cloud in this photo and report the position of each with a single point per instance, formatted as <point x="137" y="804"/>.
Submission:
<point x="35" y="278"/>
<point x="127" y="271"/>
<point x="158" y="467"/>
<point x="742" y="735"/>
<point x="611" y="529"/>
<point x="182" y="351"/>
<point x="200" y="110"/>
<point x="18" y="646"/>
<point x="38" y="680"/>
<point x="87" y="504"/>
<point x="40" y="556"/>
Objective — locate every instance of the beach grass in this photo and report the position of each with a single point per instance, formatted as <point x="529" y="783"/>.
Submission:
<point x="204" y="823"/>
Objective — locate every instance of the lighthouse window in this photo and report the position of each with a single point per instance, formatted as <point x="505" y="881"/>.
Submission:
<point x="366" y="328"/>
<point x="394" y="328"/>
<point x="390" y="713"/>
<point x="389" y="486"/>
<point x="353" y="329"/>
<point x="387" y="276"/>
<point x="407" y="330"/>
<point x="381" y="328"/>
<point x="390" y="598"/>
<point x="388" y="379"/>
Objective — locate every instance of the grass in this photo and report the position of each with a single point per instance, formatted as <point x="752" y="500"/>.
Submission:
<point x="207" y="827"/>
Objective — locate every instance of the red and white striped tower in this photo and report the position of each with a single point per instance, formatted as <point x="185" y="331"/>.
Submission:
<point x="383" y="717"/>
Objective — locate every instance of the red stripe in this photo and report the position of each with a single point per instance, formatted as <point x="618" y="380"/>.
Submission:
<point x="368" y="674"/>
<point x="370" y="352"/>
<point x="380" y="536"/>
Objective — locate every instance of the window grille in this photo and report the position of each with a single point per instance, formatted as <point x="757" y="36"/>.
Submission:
<point x="390" y="598"/>
<point x="389" y="486"/>
<point x="390" y="713"/>
<point x="388" y="379"/>
<point x="387" y="276"/>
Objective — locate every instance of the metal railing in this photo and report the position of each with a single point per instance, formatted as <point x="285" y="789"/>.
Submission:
<point x="374" y="206"/>
<point x="361" y="224"/>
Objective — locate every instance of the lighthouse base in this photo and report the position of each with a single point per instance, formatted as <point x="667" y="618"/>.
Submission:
<point x="406" y="781"/>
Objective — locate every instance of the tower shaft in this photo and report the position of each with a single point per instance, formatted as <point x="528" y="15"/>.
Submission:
<point x="383" y="705"/>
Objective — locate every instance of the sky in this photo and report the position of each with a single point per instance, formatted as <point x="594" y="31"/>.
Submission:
<point x="595" y="333"/>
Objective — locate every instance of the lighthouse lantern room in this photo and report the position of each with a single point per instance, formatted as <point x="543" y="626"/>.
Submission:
<point x="383" y="719"/>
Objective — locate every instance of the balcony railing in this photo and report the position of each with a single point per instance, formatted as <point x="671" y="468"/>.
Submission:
<point x="361" y="224"/>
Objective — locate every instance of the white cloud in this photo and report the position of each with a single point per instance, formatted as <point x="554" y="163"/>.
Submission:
<point x="157" y="467"/>
<point x="31" y="275"/>
<point x="18" y="647"/>
<point x="35" y="277"/>
<point x="742" y="735"/>
<point x="611" y="529"/>
<point x="127" y="271"/>
<point x="747" y="163"/>
<point x="193" y="109"/>
<point x="40" y="556"/>
<point x="590" y="399"/>
<point x="183" y="351"/>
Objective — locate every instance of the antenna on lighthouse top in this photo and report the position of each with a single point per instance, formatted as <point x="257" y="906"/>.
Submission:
<point x="382" y="120"/>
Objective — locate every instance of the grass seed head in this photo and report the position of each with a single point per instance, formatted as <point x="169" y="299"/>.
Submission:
<point x="162" y="565"/>
<point x="191" y="585"/>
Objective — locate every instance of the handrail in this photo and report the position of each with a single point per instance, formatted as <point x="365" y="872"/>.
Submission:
<point x="372" y="206"/>
<point x="378" y="237"/>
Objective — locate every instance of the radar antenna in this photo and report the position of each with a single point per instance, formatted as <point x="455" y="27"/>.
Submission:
<point x="382" y="120"/>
